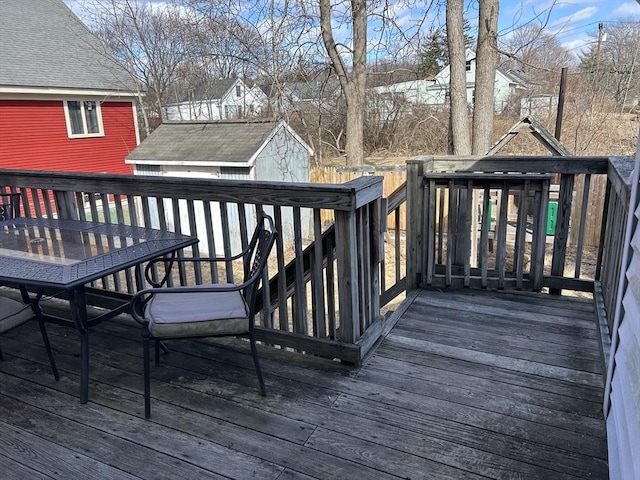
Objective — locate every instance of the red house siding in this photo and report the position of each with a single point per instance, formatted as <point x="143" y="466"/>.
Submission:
<point x="33" y="136"/>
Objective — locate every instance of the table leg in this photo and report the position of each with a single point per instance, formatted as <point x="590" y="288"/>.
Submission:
<point x="78" y="304"/>
<point x="84" y="366"/>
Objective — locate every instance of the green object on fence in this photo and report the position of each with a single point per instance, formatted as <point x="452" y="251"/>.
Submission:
<point x="552" y="217"/>
<point x="490" y="215"/>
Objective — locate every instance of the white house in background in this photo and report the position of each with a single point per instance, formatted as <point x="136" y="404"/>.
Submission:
<point x="435" y="92"/>
<point x="220" y="100"/>
<point x="231" y="150"/>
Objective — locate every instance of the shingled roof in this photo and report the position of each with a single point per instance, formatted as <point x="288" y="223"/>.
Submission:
<point x="212" y="143"/>
<point x="43" y="44"/>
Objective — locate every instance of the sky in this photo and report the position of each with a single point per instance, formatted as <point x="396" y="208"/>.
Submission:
<point x="573" y="22"/>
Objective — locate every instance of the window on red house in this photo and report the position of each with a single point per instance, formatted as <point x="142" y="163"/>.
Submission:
<point x="84" y="118"/>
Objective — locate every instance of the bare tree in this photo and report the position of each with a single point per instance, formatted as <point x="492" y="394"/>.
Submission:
<point x="148" y="41"/>
<point x="613" y="61"/>
<point x="459" y="137"/>
<point x="486" y="64"/>
<point x="353" y="82"/>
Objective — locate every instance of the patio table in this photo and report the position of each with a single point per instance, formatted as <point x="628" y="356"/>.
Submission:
<point x="66" y="255"/>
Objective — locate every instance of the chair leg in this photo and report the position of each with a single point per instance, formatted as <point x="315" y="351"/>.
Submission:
<point x="1" y="356"/>
<point x="157" y="353"/>
<point x="147" y="377"/>
<point x="256" y="363"/>
<point x="47" y="344"/>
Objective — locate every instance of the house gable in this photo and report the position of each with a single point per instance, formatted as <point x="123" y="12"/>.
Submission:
<point x="45" y="46"/>
<point x="65" y="105"/>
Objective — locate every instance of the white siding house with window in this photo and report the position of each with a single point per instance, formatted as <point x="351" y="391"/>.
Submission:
<point x="220" y="100"/>
<point x="435" y="92"/>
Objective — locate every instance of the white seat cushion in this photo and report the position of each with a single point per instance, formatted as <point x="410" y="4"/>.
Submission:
<point x="13" y="313"/>
<point x="195" y="314"/>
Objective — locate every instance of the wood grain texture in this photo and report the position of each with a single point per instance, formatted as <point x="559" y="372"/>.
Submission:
<point x="467" y="384"/>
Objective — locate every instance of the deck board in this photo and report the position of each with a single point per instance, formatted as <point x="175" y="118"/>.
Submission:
<point x="468" y="384"/>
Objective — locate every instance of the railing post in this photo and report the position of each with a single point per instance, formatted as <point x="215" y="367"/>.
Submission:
<point x="415" y="248"/>
<point x="538" y="246"/>
<point x="347" y="256"/>
<point x="66" y="205"/>
<point x="358" y="285"/>
<point x="561" y="237"/>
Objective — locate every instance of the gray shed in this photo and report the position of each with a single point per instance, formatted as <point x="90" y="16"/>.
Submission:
<point x="232" y="149"/>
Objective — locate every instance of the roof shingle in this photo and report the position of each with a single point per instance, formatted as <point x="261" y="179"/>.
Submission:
<point x="215" y="142"/>
<point x="43" y="44"/>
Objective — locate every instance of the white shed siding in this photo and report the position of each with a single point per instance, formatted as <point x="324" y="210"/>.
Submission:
<point x="196" y="110"/>
<point x="623" y="420"/>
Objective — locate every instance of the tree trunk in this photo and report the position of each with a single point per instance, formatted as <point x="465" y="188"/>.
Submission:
<point x="486" y="64"/>
<point x="354" y="145"/>
<point x="460" y="141"/>
<point x="353" y="83"/>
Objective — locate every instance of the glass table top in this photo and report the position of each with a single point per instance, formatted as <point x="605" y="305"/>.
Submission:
<point x="64" y="246"/>
<point x="40" y="251"/>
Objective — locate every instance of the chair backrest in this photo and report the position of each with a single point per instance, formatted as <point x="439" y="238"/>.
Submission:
<point x="9" y="205"/>
<point x="257" y="254"/>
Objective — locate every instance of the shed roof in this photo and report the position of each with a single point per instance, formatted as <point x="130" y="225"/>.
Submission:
<point x="212" y="90"/>
<point x="212" y="143"/>
<point x="43" y="44"/>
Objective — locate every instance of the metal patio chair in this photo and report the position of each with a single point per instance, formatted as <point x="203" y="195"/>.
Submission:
<point x="210" y="310"/>
<point x="13" y="312"/>
<point x="9" y="205"/>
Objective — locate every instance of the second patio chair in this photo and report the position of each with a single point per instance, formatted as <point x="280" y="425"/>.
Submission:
<point x="14" y="313"/>
<point x="211" y="310"/>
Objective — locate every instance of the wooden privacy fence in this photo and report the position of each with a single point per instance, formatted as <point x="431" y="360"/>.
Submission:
<point x="394" y="177"/>
<point x="321" y="293"/>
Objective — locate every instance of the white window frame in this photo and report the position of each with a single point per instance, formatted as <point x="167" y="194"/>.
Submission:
<point x="67" y="117"/>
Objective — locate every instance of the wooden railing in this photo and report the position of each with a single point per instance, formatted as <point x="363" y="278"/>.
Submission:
<point x="609" y="263"/>
<point x="323" y="290"/>
<point x="461" y="230"/>
<point x="341" y="255"/>
<point x="439" y="226"/>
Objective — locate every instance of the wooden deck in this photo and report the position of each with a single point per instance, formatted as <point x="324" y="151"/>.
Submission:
<point x="468" y="384"/>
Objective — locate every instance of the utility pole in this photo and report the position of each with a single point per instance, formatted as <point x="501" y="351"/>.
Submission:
<point x="561" y="94"/>
<point x="600" y="32"/>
